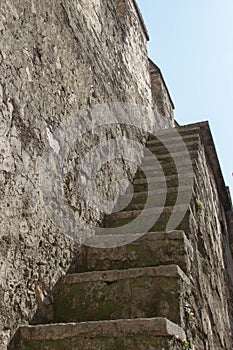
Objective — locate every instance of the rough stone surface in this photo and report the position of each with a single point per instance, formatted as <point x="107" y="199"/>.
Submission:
<point x="152" y="249"/>
<point x="161" y="97"/>
<point x="212" y="306"/>
<point x="154" y="333"/>
<point x="132" y="293"/>
<point x="199" y="303"/>
<point x="56" y="58"/>
<point x="208" y="308"/>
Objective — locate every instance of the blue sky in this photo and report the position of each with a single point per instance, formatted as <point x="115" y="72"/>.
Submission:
<point x="192" y="43"/>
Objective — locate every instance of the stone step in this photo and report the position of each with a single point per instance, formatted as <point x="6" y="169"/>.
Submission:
<point x="165" y="158"/>
<point x="170" y="136"/>
<point x="161" y="182"/>
<point x="151" y="249"/>
<point x="177" y="147"/>
<point x="186" y="129"/>
<point x="156" y="198"/>
<point x="172" y="141"/>
<point x="122" y="294"/>
<point x="168" y="168"/>
<point x="140" y="334"/>
<point x="158" y="222"/>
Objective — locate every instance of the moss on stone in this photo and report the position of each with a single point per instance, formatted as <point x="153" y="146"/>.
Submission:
<point x="105" y="343"/>
<point x="142" y="282"/>
<point x="95" y="301"/>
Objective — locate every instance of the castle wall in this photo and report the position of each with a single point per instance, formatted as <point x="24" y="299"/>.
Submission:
<point x="162" y="102"/>
<point x="209" y="308"/>
<point x="56" y="58"/>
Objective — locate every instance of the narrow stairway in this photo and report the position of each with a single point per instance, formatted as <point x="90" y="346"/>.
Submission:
<point x="132" y="296"/>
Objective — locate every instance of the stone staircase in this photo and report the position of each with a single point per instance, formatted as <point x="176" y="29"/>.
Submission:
<point x="169" y="163"/>
<point x="132" y="296"/>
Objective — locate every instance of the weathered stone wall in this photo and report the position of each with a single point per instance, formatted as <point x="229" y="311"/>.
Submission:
<point x="208" y="310"/>
<point x="162" y="102"/>
<point x="55" y="59"/>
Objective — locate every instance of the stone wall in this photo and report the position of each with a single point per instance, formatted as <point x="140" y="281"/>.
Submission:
<point x="56" y="58"/>
<point x="162" y="101"/>
<point x="208" y="311"/>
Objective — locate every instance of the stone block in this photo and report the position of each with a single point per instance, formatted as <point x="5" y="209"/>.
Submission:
<point x="152" y="249"/>
<point x="120" y="219"/>
<point x="140" y="334"/>
<point x="122" y="294"/>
